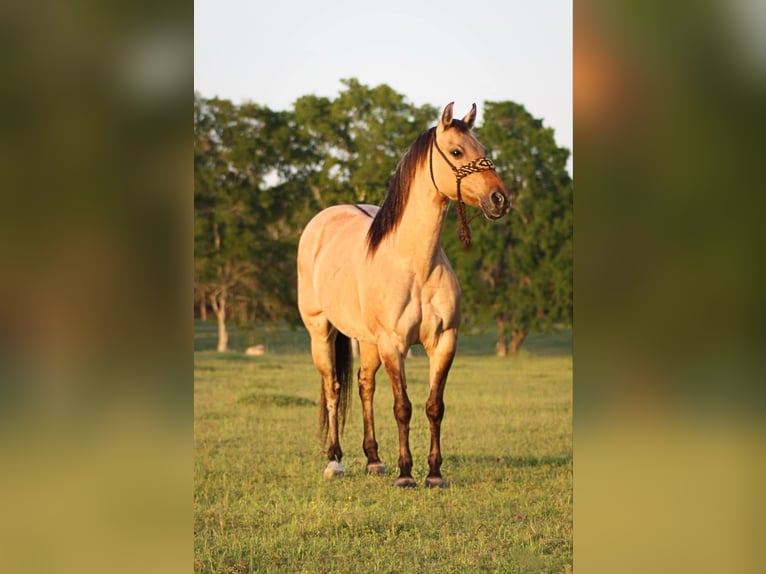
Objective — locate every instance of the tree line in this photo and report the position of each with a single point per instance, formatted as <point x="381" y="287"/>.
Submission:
<point x="261" y="174"/>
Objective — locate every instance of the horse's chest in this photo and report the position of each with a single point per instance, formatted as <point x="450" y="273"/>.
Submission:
<point x="410" y="308"/>
<point x="440" y="309"/>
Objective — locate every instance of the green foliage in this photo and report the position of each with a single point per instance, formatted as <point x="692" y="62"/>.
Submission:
<point x="245" y="206"/>
<point x="518" y="271"/>
<point x="262" y="505"/>
<point x="259" y="176"/>
<point x="358" y="139"/>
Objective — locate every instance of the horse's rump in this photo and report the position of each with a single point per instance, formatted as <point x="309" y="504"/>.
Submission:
<point x="331" y="253"/>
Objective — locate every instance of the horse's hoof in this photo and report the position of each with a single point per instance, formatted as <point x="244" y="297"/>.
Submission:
<point x="376" y="469"/>
<point x="334" y="469"/>
<point x="405" y="482"/>
<point x="436" y="482"/>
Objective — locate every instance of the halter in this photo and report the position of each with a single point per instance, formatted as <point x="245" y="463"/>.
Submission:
<point x="479" y="164"/>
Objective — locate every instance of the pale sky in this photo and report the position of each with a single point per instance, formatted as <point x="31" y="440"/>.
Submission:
<point x="433" y="53"/>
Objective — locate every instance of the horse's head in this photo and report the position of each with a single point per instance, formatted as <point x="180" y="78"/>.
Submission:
<point x="461" y="170"/>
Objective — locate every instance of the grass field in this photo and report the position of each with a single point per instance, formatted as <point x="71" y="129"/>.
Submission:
<point x="262" y="505"/>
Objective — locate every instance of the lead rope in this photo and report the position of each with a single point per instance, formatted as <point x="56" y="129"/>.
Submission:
<point x="479" y="164"/>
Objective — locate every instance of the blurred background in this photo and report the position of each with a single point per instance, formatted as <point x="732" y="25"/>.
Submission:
<point x="97" y="258"/>
<point x="668" y="346"/>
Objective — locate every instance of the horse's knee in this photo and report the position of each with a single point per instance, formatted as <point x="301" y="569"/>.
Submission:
<point x="435" y="410"/>
<point x="403" y="410"/>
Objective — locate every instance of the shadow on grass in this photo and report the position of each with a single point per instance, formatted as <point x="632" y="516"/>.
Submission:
<point x="494" y="470"/>
<point x="527" y="461"/>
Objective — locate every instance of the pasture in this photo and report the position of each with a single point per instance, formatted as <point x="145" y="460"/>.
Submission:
<point x="262" y="505"/>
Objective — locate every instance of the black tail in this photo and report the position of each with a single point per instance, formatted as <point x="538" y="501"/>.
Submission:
<point x="344" y="368"/>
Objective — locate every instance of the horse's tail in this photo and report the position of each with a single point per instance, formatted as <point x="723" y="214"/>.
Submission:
<point x="344" y="367"/>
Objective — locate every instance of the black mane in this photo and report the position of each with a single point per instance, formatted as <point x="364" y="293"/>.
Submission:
<point x="390" y="213"/>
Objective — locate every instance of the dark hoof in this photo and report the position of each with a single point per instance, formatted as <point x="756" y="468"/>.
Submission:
<point x="436" y="482"/>
<point x="405" y="482"/>
<point x="376" y="469"/>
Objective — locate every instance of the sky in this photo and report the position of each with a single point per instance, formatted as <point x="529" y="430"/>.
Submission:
<point x="433" y="53"/>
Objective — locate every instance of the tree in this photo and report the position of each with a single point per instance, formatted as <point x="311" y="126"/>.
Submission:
<point x="259" y="176"/>
<point x="518" y="271"/>
<point x="358" y="139"/>
<point x="244" y="198"/>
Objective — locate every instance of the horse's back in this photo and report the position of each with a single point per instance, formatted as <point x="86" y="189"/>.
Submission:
<point x="340" y="219"/>
<point x="339" y="226"/>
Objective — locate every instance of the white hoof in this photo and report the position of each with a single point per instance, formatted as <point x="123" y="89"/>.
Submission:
<point x="334" y="469"/>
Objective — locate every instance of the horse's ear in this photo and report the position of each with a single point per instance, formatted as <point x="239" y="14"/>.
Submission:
<point x="470" y="117"/>
<point x="447" y="116"/>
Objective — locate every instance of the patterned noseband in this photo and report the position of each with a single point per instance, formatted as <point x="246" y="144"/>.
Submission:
<point x="479" y="164"/>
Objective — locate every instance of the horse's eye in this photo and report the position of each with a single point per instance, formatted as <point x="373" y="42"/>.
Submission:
<point x="456" y="153"/>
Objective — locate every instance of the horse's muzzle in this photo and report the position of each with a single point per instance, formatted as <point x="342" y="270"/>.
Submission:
<point x="496" y="204"/>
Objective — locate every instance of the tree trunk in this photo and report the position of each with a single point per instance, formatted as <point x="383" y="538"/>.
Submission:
<point x="218" y="302"/>
<point x="219" y="308"/>
<point x="203" y="308"/>
<point x="517" y="338"/>
<point x="243" y="311"/>
<point x="501" y="342"/>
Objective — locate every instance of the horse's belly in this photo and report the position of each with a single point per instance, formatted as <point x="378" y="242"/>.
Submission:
<point x="340" y="303"/>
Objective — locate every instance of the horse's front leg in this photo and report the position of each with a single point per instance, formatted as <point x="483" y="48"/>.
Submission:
<point x="440" y="361"/>
<point x="370" y="362"/>
<point x="393" y="362"/>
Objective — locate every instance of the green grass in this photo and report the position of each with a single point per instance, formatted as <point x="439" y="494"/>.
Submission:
<point x="262" y="505"/>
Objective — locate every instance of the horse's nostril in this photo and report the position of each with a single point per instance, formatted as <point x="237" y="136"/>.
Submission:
<point x="498" y="199"/>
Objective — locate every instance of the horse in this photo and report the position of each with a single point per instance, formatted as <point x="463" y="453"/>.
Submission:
<point x="380" y="276"/>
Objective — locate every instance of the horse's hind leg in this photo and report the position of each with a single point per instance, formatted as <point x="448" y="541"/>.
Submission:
<point x="323" y="354"/>
<point x="370" y="362"/>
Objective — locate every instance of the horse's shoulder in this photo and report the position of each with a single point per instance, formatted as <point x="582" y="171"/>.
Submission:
<point x="444" y="265"/>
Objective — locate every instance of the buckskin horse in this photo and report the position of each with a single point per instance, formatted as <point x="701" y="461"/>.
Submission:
<point x="379" y="275"/>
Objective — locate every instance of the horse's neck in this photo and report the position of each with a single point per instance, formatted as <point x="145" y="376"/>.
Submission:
<point x="419" y="232"/>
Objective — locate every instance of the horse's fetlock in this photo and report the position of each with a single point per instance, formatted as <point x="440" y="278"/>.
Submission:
<point x="334" y="453"/>
<point x="435" y="461"/>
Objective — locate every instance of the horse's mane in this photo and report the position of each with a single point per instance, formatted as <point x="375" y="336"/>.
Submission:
<point x="390" y="213"/>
